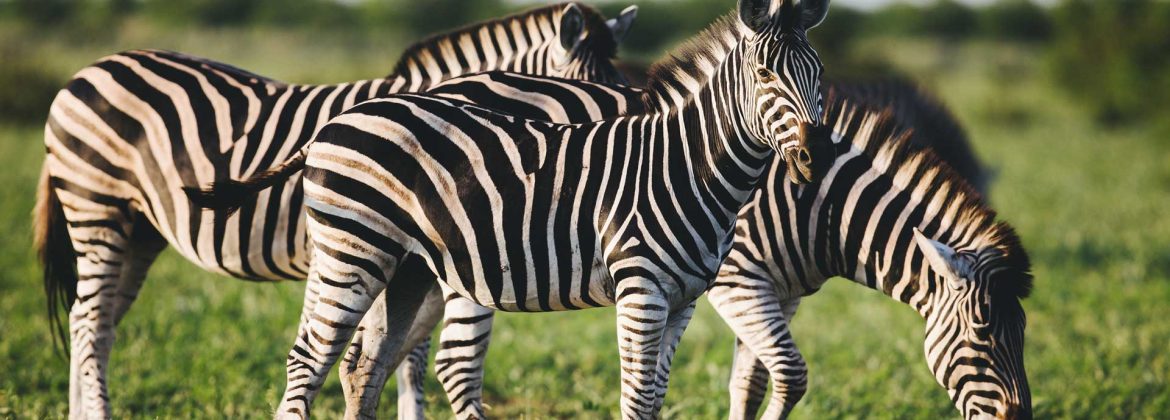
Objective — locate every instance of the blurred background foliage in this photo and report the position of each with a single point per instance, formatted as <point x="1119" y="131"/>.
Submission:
<point x="1109" y="54"/>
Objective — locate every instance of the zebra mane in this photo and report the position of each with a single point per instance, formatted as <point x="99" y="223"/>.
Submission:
<point x="696" y="60"/>
<point x="600" y="38"/>
<point x="877" y="133"/>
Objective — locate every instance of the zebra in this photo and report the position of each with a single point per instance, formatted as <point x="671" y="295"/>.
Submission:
<point x="396" y="186"/>
<point x="467" y="327"/>
<point x="895" y="219"/>
<point x="128" y="131"/>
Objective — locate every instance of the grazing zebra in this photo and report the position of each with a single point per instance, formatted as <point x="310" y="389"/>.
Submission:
<point x="397" y="186"/>
<point x="895" y="220"/>
<point x="130" y="130"/>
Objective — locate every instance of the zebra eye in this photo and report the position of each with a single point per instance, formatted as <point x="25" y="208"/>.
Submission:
<point x="765" y="75"/>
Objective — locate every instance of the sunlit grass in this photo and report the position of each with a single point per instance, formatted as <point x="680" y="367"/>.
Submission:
<point x="1091" y="206"/>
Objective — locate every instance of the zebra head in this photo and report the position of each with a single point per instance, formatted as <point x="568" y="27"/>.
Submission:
<point x="784" y="72"/>
<point x="586" y="43"/>
<point x="975" y="325"/>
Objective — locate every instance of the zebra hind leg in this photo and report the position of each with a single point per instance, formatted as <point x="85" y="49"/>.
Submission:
<point x="100" y="238"/>
<point x="372" y="356"/>
<point x="459" y="362"/>
<point x="413" y="370"/>
<point x="748" y="384"/>
<point x="753" y="310"/>
<point x="346" y="294"/>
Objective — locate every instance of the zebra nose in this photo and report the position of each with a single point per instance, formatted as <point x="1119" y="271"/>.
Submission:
<point x="802" y="156"/>
<point x="1015" y="412"/>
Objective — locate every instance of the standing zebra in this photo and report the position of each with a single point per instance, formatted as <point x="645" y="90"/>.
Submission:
<point x="130" y="130"/>
<point x="467" y="327"/>
<point x="510" y="220"/>
<point x="895" y="220"/>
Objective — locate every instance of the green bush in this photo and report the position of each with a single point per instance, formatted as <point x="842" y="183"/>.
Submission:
<point x="1015" y="20"/>
<point x="1112" y="55"/>
<point x="26" y="89"/>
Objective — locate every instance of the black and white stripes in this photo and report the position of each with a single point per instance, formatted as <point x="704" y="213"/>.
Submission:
<point x="522" y="215"/>
<point x="131" y="130"/>
<point x="895" y="220"/>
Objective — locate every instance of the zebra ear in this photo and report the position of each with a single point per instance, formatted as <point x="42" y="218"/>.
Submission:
<point x="943" y="260"/>
<point x="813" y="12"/>
<point x="756" y="14"/>
<point x="620" y="26"/>
<point x="572" y="24"/>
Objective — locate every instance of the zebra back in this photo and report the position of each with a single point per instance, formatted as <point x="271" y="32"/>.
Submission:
<point x="570" y="40"/>
<point x="933" y="125"/>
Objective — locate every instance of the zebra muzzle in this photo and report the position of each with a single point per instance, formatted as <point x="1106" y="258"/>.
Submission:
<point x="811" y="157"/>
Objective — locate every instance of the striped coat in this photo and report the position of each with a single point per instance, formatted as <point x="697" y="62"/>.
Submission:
<point x="128" y="132"/>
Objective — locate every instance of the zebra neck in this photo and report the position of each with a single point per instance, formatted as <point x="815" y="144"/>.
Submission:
<point x="711" y="165"/>
<point x="868" y="229"/>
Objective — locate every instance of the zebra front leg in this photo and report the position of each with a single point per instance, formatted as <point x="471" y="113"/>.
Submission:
<point x="676" y="324"/>
<point x="463" y="345"/>
<point x="642" y="317"/>
<point x="749" y="377"/>
<point x="751" y="307"/>
<point x="748" y="383"/>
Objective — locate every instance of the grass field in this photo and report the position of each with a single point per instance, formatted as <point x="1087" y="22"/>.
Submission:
<point x="1091" y="205"/>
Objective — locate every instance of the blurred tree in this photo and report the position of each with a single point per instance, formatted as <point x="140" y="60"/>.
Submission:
<point x="1112" y="55"/>
<point x="41" y="12"/>
<point x="942" y="18"/>
<point x="201" y="12"/>
<point x="430" y="16"/>
<point x="26" y="89"/>
<point x="1015" y="20"/>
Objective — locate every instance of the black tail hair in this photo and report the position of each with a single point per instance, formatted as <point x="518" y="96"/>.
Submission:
<point x="227" y="196"/>
<point x="58" y="259"/>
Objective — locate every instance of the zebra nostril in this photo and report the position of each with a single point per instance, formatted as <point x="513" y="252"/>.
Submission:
<point x="803" y="157"/>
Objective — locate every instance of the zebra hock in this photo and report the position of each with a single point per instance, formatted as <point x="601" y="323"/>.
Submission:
<point x="896" y="220"/>
<point x="466" y="332"/>
<point x="129" y="131"/>
<point x="747" y="87"/>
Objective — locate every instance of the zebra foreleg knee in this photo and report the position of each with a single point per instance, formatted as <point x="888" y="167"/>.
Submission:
<point x="642" y="315"/>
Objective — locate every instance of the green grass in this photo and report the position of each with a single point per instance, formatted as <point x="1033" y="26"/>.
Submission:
<point x="1090" y="204"/>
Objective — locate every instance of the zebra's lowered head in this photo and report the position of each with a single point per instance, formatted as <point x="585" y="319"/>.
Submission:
<point x="785" y="74"/>
<point x="975" y="323"/>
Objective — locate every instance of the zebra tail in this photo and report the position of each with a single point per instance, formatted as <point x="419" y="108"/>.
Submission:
<point x="229" y="195"/>
<point x="58" y="259"/>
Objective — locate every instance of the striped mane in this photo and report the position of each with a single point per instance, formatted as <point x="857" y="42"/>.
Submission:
<point x="695" y="60"/>
<point x="880" y="138"/>
<point x="599" y="38"/>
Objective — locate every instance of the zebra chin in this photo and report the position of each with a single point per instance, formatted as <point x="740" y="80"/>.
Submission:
<point x="1009" y="411"/>
<point x="989" y="397"/>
